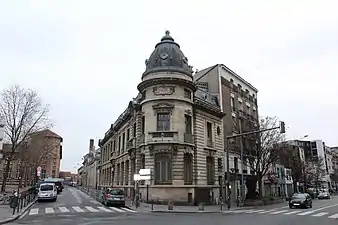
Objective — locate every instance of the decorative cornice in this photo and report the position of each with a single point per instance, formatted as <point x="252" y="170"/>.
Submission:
<point x="163" y="107"/>
<point x="166" y="81"/>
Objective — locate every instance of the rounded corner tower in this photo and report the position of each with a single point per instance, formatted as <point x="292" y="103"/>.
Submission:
<point x="167" y="108"/>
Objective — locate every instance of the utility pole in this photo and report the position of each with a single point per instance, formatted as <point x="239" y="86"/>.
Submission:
<point x="242" y="162"/>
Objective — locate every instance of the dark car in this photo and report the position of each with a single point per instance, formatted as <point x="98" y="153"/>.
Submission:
<point x="300" y="200"/>
<point x="113" y="196"/>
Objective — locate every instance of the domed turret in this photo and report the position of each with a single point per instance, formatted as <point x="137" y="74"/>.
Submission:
<point x="167" y="57"/>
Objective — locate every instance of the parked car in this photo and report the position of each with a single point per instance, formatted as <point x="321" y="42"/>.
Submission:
<point x="324" y="195"/>
<point x="113" y="196"/>
<point x="300" y="200"/>
<point x="47" y="191"/>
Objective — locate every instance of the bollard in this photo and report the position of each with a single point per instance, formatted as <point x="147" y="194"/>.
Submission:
<point x="170" y="205"/>
<point x="201" y="207"/>
<point x="152" y="205"/>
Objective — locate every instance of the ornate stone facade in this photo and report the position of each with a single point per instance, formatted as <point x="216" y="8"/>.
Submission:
<point x="171" y="127"/>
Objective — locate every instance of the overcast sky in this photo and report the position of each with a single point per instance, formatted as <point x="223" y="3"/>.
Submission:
<point x="86" y="58"/>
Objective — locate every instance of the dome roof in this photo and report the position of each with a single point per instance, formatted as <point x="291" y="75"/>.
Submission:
<point x="167" y="57"/>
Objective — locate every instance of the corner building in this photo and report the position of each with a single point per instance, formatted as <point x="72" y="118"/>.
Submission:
<point x="171" y="127"/>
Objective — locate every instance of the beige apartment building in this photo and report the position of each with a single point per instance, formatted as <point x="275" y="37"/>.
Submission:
<point x="238" y="100"/>
<point x="173" y="128"/>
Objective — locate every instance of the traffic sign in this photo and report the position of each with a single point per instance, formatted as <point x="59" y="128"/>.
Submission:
<point x="39" y="173"/>
<point x="39" y="169"/>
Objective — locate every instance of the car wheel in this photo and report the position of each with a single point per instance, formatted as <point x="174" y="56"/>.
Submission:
<point x="311" y="205"/>
<point x="290" y="206"/>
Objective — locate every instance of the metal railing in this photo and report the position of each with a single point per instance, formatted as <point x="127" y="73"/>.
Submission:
<point x="19" y="201"/>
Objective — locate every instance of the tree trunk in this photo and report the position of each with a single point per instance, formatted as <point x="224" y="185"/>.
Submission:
<point x="251" y="183"/>
<point x="260" y="187"/>
<point x="5" y="177"/>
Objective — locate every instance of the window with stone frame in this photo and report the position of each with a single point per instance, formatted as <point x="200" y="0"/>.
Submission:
<point x="163" y="121"/>
<point x="188" y="168"/>
<point x="118" y="175"/>
<point x="210" y="170"/>
<point x="122" y="173"/>
<point x="127" y="173"/>
<point x="163" y="168"/>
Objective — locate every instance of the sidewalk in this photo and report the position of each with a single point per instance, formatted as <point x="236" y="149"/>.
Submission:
<point x="183" y="209"/>
<point x="6" y="212"/>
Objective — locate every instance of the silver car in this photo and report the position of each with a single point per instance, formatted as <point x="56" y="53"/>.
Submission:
<point x="47" y="191"/>
<point x="113" y="196"/>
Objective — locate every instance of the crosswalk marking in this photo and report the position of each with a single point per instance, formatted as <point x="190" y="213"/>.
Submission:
<point x="104" y="209"/>
<point x="305" y="213"/>
<point x="91" y="209"/>
<point x="292" y="212"/>
<point x="278" y="212"/>
<point x="34" y="211"/>
<point x="116" y="209"/>
<point x="77" y="209"/>
<point x="64" y="209"/>
<point x="267" y="211"/>
<point x="335" y="216"/>
<point x="129" y="210"/>
<point x="320" y="214"/>
<point x="49" y="210"/>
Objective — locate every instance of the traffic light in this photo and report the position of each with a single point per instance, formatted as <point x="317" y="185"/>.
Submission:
<point x="282" y="127"/>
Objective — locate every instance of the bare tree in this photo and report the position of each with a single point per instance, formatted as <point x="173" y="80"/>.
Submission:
<point x="315" y="171"/>
<point x="23" y="113"/>
<point x="263" y="155"/>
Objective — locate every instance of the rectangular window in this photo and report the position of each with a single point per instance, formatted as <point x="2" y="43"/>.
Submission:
<point x="123" y="141"/>
<point x="119" y="143"/>
<point x="128" y="134"/>
<point x="232" y="103"/>
<point x="236" y="164"/>
<point x="134" y="130"/>
<point x="210" y="170"/>
<point x="143" y="124"/>
<point x="209" y="131"/>
<point x="163" y="121"/>
<point x="188" y="124"/>
<point x="187" y="93"/>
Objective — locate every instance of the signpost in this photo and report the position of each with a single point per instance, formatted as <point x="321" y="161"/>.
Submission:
<point x="144" y="174"/>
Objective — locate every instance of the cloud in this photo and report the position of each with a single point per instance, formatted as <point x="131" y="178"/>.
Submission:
<point x="86" y="59"/>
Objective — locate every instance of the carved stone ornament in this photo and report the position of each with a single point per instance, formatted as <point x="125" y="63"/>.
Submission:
<point x="164" y="90"/>
<point x="163" y="107"/>
<point x="188" y="111"/>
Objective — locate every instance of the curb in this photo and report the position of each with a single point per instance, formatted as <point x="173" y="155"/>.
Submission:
<point x="173" y="211"/>
<point x="17" y="216"/>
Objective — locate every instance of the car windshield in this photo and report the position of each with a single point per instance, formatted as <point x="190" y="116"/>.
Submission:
<point x="116" y="192"/>
<point x="46" y="187"/>
<point x="299" y="196"/>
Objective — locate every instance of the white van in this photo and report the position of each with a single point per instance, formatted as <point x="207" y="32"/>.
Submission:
<point x="47" y="191"/>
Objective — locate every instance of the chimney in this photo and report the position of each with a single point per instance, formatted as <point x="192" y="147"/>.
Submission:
<point x="91" y="145"/>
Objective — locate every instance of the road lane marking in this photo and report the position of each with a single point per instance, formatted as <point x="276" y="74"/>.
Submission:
<point x="320" y="214"/>
<point x="64" y="209"/>
<point x="49" y="210"/>
<point x="34" y="211"/>
<point x="284" y="207"/>
<point x="104" y="209"/>
<point x="309" y="212"/>
<point x="267" y="211"/>
<point x="305" y="213"/>
<point x="292" y="212"/>
<point x="278" y="212"/>
<point x="77" y="209"/>
<point x="129" y="210"/>
<point x="335" y="216"/>
<point x="255" y="211"/>
<point x="91" y="209"/>
<point x="116" y="209"/>
<point x="76" y="195"/>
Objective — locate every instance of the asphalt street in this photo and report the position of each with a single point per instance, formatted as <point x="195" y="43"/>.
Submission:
<point x="71" y="206"/>
<point x="66" y="212"/>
